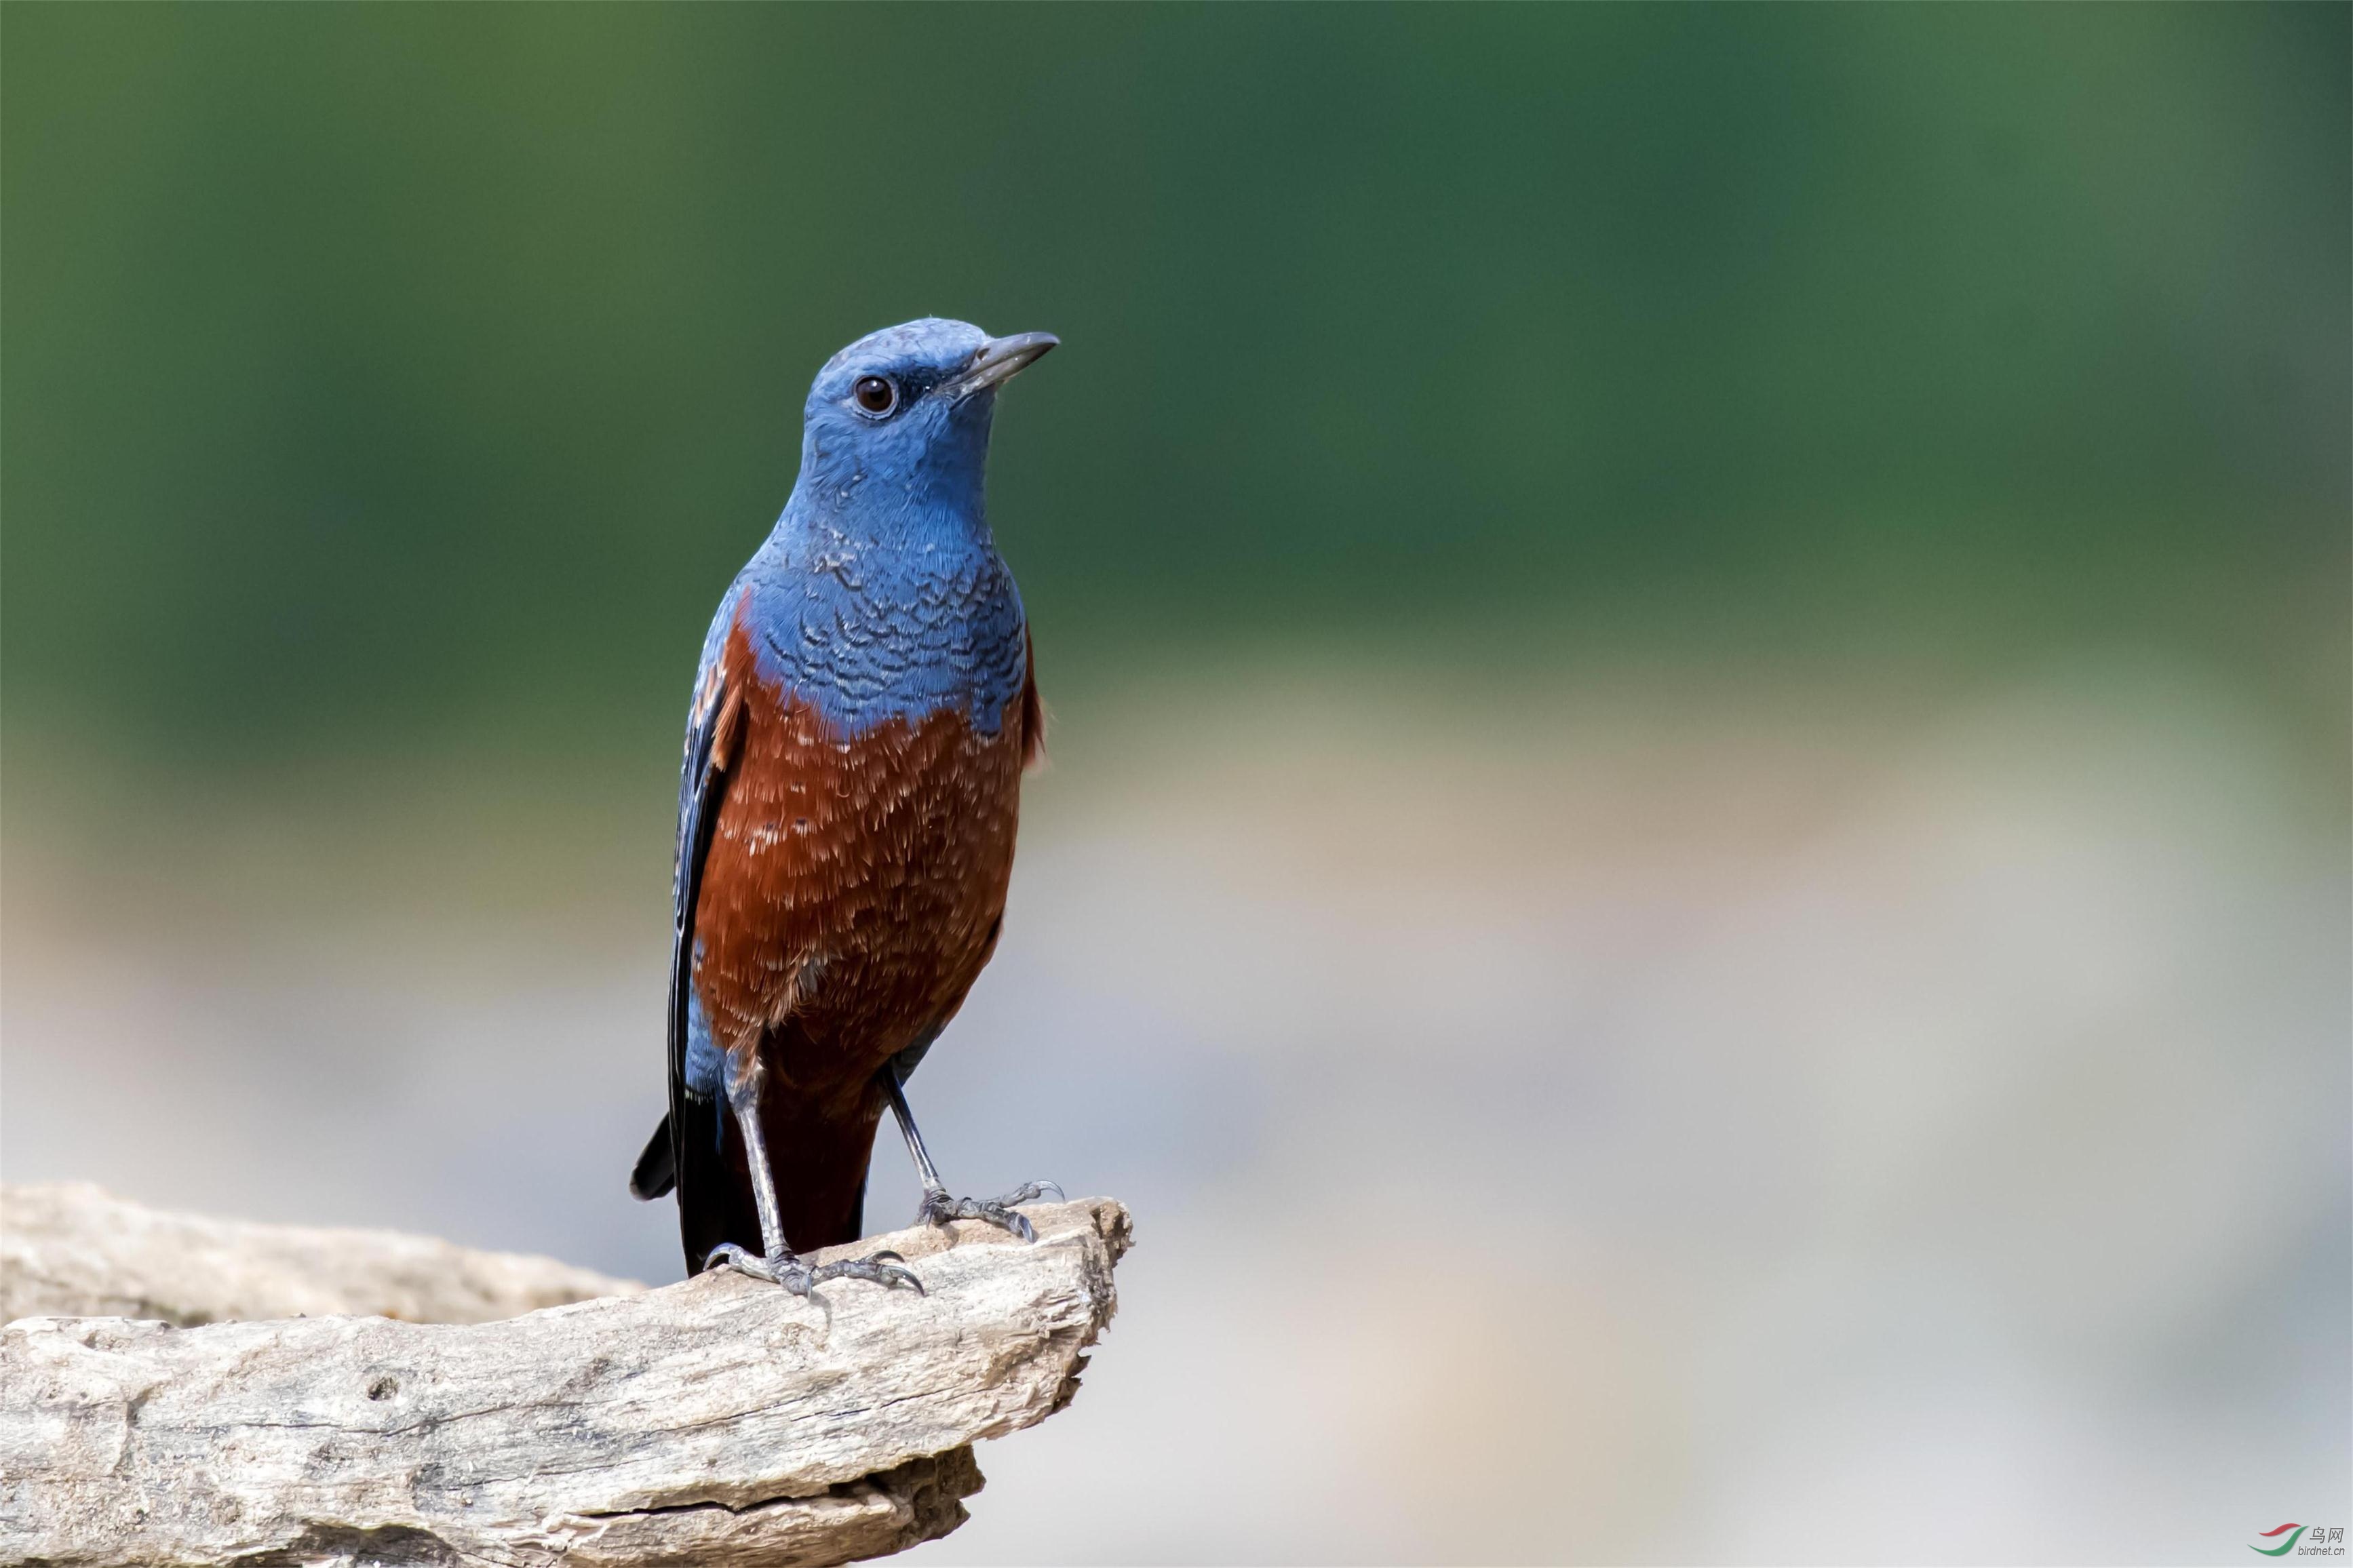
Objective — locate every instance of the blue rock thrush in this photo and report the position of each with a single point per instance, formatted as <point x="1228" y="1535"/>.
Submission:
<point x="863" y="713"/>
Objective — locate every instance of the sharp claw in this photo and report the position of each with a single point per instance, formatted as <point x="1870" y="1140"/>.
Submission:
<point x="799" y="1278"/>
<point x="938" y="1209"/>
<point x="727" y="1255"/>
<point x="890" y="1276"/>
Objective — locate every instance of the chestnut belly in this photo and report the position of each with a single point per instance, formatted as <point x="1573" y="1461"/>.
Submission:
<point x="852" y="891"/>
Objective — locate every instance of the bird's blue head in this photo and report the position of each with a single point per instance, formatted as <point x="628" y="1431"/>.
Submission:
<point x="897" y="423"/>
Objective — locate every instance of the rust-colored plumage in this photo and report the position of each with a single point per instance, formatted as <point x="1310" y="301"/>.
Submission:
<point x="852" y="891"/>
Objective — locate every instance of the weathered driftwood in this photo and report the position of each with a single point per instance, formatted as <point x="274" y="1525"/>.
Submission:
<point x="70" y="1250"/>
<point x="718" y="1421"/>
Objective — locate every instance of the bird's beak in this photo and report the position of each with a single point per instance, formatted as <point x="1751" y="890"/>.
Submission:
<point x="999" y="361"/>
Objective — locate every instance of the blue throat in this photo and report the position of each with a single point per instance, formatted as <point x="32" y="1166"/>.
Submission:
<point x="868" y="625"/>
<point x="880" y="595"/>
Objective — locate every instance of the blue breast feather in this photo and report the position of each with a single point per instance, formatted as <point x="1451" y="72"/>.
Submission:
<point x="868" y="630"/>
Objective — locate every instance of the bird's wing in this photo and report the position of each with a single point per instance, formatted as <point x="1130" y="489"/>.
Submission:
<point x="1033" y="711"/>
<point x="713" y="730"/>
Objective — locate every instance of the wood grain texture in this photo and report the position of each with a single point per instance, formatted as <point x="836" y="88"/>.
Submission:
<point x="69" y="1248"/>
<point x="714" y="1421"/>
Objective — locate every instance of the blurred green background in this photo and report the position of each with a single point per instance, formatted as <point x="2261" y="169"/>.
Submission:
<point x="1697" y="871"/>
<point x="370" y="374"/>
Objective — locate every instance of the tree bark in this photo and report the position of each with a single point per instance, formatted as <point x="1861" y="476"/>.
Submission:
<point x="718" y="1421"/>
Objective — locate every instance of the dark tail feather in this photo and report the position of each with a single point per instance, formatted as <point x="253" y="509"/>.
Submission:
<point x="657" y="1169"/>
<point x="714" y="1201"/>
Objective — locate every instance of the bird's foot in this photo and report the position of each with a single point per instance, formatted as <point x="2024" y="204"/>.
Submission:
<point x="799" y="1276"/>
<point x="938" y="1209"/>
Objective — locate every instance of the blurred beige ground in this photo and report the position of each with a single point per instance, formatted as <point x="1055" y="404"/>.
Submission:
<point x="1690" y="1122"/>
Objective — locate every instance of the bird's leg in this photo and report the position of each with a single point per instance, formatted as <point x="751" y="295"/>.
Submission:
<point x="781" y="1265"/>
<point x="937" y="1208"/>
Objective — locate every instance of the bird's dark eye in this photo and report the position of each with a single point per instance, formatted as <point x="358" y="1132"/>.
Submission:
<point x="875" y="395"/>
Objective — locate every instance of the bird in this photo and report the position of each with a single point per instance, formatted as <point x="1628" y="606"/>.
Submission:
<point x="864" y="711"/>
